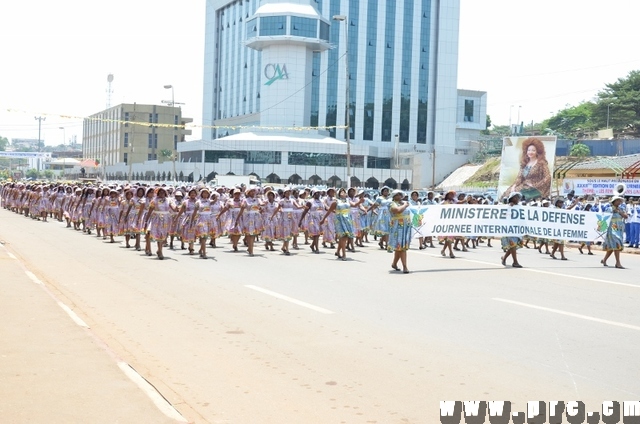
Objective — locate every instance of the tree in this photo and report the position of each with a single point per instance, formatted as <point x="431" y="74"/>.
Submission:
<point x="620" y="102"/>
<point x="573" y="121"/>
<point x="4" y="142"/>
<point x="580" y="150"/>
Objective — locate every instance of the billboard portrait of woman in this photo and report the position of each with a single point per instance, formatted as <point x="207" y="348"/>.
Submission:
<point x="534" y="175"/>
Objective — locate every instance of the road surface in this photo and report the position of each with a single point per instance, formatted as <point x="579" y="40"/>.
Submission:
<point x="306" y="338"/>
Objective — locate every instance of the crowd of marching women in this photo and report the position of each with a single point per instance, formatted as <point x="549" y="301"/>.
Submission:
<point x="198" y="216"/>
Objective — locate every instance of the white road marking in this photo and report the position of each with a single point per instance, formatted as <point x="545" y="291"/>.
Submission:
<point x="73" y="315"/>
<point x="557" y="274"/>
<point x="290" y="299"/>
<point x="161" y="403"/>
<point x="11" y="255"/>
<point x="570" y="314"/>
<point x="33" y="278"/>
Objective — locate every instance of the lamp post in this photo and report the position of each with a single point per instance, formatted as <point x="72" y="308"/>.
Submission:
<point x="174" y="149"/>
<point x="39" y="119"/>
<point x="347" y="137"/>
<point x="64" y="143"/>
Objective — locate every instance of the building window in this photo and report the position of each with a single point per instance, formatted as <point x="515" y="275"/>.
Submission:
<point x="175" y="142"/>
<point x="324" y="159"/>
<point x="149" y="156"/>
<point x="324" y="31"/>
<point x="468" y="111"/>
<point x="304" y="27"/>
<point x="175" y="119"/>
<point x="126" y="158"/>
<point x="151" y="118"/>
<point x="155" y="141"/>
<point x="126" y="118"/>
<point x="273" y="25"/>
<point x="126" y="139"/>
<point x="150" y="141"/>
<point x="253" y="156"/>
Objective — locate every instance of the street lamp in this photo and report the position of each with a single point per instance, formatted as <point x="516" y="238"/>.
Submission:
<point x="174" y="149"/>
<point x="169" y="86"/>
<point x="64" y="143"/>
<point x="347" y="137"/>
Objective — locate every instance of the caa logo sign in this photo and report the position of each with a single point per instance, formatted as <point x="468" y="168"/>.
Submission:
<point x="274" y="72"/>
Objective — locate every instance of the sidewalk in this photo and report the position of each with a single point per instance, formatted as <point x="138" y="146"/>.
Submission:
<point x="51" y="369"/>
<point x="627" y="249"/>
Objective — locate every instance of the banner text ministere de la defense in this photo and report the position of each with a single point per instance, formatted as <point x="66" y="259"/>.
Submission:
<point x="508" y="221"/>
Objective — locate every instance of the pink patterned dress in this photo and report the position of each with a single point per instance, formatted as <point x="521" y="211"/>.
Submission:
<point x="251" y="218"/>
<point x="288" y="226"/>
<point x="188" y="232"/>
<point x="271" y="225"/>
<point x="111" y="214"/>
<point x="234" y="210"/>
<point x="314" y="216"/>
<point x="205" y="226"/>
<point x="160" y="219"/>
<point x="329" y="227"/>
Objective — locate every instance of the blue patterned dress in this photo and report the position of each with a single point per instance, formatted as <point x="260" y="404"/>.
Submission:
<point x="613" y="239"/>
<point x="343" y="220"/>
<point x="509" y="243"/>
<point x="399" y="230"/>
<point x="383" y="220"/>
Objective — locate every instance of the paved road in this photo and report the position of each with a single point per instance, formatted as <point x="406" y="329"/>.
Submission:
<point x="308" y="339"/>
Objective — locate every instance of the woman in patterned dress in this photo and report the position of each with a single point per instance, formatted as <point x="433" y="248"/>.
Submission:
<point x="187" y="223"/>
<point x="613" y="242"/>
<point x="158" y="220"/>
<point x="355" y="217"/>
<point x="329" y="227"/>
<point x="382" y="220"/>
<point x="558" y="245"/>
<point x="203" y="220"/>
<point x="544" y="241"/>
<point x="314" y="211"/>
<point x="235" y="225"/>
<point x="588" y="244"/>
<point x="126" y="206"/>
<point x="133" y="216"/>
<point x="251" y="218"/>
<point x="286" y="214"/>
<point x="511" y="244"/>
<point x="143" y="217"/>
<point x="85" y="207"/>
<point x="270" y="220"/>
<point x="112" y="216"/>
<point x="399" y="230"/>
<point x="174" y="228"/>
<point x="447" y="241"/>
<point x="343" y="222"/>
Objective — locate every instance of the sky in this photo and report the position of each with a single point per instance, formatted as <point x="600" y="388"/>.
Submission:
<point x="532" y="57"/>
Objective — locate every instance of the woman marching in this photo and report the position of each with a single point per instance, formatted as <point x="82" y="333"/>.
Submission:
<point x="399" y="230"/>
<point x="174" y="229"/>
<point x="270" y="221"/>
<point x="143" y="218"/>
<point x="588" y="244"/>
<point x="314" y="211"/>
<point x="204" y="221"/>
<point x="251" y="217"/>
<point x="382" y="220"/>
<point x="187" y="224"/>
<point x="126" y="206"/>
<point x="343" y="222"/>
<point x="286" y="213"/>
<point x="112" y="216"/>
<point x="447" y="241"/>
<point x="558" y="245"/>
<point x="233" y="207"/>
<point x="329" y="228"/>
<point x="613" y="242"/>
<point x="158" y="220"/>
<point x="511" y="244"/>
<point x="543" y="241"/>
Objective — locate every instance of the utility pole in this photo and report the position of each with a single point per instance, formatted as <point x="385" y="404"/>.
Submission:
<point x="39" y="119"/>
<point x="133" y="131"/>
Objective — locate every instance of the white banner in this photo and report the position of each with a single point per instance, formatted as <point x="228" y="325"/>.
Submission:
<point x="508" y="221"/>
<point x="25" y="155"/>
<point x="599" y="187"/>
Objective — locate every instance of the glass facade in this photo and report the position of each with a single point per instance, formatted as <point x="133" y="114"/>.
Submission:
<point x="423" y="72"/>
<point x="304" y="27"/>
<point x="273" y="25"/>
<point x="324" y="159"/>
<point x="253" y="156"/>
<point x="468" y="111"/>
<point x="387" y="69"/>
<point x="389" y="48"/>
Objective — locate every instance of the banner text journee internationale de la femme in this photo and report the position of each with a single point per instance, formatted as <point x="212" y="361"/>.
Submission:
<point x="508" y="221"/>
